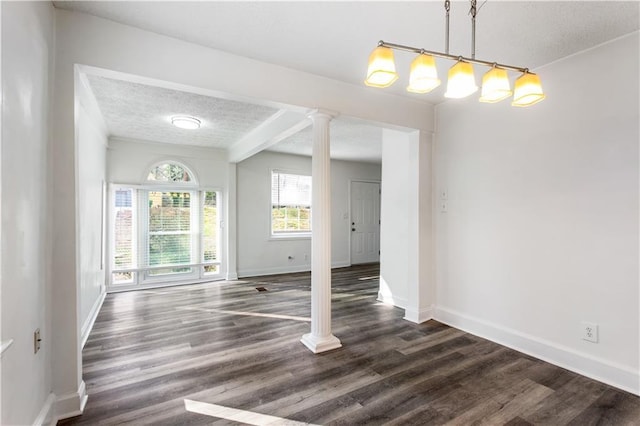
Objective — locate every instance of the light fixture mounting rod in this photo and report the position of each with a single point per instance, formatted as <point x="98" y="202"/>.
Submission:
<point x="417" y="50"/>
<point x="473" y="28"/>
<point x="447" y="7"/>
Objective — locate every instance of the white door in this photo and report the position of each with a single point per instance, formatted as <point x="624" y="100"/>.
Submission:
<point x="365" y="222"/>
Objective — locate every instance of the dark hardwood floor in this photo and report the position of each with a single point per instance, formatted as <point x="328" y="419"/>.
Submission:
<point x="152" y="354"/>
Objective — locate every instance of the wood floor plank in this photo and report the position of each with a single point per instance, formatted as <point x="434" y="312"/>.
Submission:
<point x="231" y="346"/>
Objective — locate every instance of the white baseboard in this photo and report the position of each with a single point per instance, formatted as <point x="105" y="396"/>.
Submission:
<point x="161" y="284"/>
<point x="604" y="371"/>
<point x="285" y="269"/>
<point x="71" y="404"/>
<point x="232" y="276"/>
<point x="91" y="319"/>
<point x="244" y="273"/>
<point x="47" y="415"/>
<point x="418" y="315"/>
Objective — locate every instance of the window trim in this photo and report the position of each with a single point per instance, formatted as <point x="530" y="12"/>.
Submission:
<point x="193" y="183"/>
<point x="286" y="235"/>
<point x="140" y="280"/>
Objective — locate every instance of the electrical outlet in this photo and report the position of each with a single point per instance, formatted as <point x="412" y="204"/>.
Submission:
<point x="590" y="332"/>
<point x="36" y="341"/>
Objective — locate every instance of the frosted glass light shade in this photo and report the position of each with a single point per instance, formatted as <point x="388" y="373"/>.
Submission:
<point x="461" y="81"/>
<point x="424" y="75"/>
<point x="185" y="122"/>
<point x="527" y="90"/>
<point x="382" y="68"/>
<point x="495" y="86"/>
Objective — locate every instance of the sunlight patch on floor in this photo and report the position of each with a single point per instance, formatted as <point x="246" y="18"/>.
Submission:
<point x="251" y="314"/>
<point x="375" y="277"/>
<point x="236" y="415"/>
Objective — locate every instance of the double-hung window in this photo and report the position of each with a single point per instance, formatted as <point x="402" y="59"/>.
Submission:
<point x="164" y="230"/>
<point x="290" y="204"/>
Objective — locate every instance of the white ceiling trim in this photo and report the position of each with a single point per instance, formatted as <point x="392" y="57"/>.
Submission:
<point x="276" y="128"/>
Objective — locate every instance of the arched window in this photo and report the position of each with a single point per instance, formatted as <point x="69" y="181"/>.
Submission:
<point x="170" y="171"/>
<point x="166" y="229"/>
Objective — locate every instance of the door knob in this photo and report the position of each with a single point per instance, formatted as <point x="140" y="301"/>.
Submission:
<point x="353" y="229"/>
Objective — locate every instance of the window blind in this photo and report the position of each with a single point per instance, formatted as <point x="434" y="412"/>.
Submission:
<point x="163" y="232"/>
<point x="290" y="203"/>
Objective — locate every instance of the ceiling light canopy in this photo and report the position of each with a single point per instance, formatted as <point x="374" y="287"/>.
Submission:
<point x="185" y="122"/>
<point x="461" y="81"/>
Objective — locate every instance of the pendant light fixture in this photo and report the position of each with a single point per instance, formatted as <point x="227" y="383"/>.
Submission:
<point x="423" y="77"/>
<point x="528" y="90"/>
<point x="461" y="83"/>
<point x="495" y="86"/>
<point x="382" y="68"/>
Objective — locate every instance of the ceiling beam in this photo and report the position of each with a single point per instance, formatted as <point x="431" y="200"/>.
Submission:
<point x="279" y="126"/>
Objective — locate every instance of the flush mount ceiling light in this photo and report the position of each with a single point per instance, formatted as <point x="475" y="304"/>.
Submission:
<point x="185" y="122"/>
<point x="461" y="81"/>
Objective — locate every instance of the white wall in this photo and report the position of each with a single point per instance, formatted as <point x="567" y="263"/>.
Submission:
<point x="541" y="231"/>
<point x="258" y="253"/>
<point x="129" y="162"/>
<point x="90" y="41"/>
<point x="406" y="242"/>
<point x="395" y="222"/>
<point x="91" y="136"/>
<point x="27" y="34"/>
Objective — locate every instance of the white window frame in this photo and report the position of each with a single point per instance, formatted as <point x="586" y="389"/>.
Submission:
<point x="140" y="274"/>
<point x="220" y="229"/>
<point x="144" y="236"/>
<point x="286" y="235"/>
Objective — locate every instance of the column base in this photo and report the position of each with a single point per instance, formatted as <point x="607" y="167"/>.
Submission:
<point x="320" y="344"/>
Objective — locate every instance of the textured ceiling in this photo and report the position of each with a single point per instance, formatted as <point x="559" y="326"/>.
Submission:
<point x="143" y="112"/>
<point x="334" y="39"/>
<point x="138" y="111"/>
<point x="351" y="140"/>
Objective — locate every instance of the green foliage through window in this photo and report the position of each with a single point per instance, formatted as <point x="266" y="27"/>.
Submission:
<point x="169" y="172"/>
<point x="175" y="231"/>
<point x="290" y="203"/>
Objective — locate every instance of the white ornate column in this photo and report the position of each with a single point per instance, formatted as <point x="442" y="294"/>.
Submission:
<point x="320" y="339"/>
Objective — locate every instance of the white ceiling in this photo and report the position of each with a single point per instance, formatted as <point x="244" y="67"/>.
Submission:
<point x="351" y="139"/>
<point x="139" y="111"/>
<point x="334" y="39"/>
<point x="143" y="112"/>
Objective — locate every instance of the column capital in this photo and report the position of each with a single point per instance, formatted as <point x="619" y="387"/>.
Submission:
<point x="319" y="112"/>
